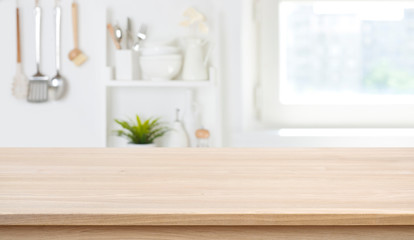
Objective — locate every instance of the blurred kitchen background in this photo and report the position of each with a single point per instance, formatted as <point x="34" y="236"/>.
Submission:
<point x="217" y="73"/>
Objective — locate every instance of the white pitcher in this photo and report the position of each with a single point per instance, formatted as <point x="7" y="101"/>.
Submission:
<point x="195" y="61"/>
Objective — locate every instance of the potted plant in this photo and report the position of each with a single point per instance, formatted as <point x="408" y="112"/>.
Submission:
<point x="141" y="133"/>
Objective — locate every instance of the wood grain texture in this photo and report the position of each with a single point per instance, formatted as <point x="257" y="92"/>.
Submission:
<point x="111" y="31"/>
<point x="207" y="233"/>
<point x="75" y="25"/>
<point x="207" y="187"/>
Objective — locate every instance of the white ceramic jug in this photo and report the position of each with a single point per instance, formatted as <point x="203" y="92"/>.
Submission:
<point x="195" y="61"/>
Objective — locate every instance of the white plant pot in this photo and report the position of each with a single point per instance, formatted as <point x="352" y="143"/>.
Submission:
<point x="150" y="145"/>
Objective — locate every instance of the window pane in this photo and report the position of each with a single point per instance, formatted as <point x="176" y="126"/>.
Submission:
<point x="347" y="52"/>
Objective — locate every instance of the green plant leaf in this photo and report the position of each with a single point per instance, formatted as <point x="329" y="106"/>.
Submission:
<point x="142" y="132"/>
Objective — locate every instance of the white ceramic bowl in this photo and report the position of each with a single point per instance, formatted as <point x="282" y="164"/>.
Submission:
<point x="159" y="50"/>
<point x="161" y="68"/>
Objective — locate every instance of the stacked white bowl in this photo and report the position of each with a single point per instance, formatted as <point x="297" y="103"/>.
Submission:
<point x="160" y="62"/>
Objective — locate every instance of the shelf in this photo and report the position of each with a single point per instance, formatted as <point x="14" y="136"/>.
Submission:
<point x="163" y="84"/>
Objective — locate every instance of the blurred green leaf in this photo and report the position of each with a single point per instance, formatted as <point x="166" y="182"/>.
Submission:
<point x="141" y="133"/>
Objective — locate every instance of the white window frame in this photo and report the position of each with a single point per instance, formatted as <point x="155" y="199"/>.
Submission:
<point x="273" y="114"/>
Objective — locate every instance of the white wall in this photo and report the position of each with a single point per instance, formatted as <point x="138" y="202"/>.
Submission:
<point x="77" y="120"/>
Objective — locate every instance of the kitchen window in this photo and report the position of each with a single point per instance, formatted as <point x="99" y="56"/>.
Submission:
<point x="336" y="64"/>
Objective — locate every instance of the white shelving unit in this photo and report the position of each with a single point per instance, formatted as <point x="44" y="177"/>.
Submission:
<point x="125" y="98"/>
<point x="167" y="83"/>
<point x="156" y="84"/>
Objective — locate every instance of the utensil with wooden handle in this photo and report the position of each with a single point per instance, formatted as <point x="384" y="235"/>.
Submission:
<point x="119" y="34"/>
<point x="113" y="37"/>
<point x="38" y="84"/>
<point x="76" y="55"/>
<point x="20" y="83"/>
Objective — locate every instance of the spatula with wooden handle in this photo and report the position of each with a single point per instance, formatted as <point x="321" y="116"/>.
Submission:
<point x="38" y="83"/>
<point x="20" y="79"/>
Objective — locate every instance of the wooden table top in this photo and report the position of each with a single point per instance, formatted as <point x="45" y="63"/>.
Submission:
<point x="206" y="187"/>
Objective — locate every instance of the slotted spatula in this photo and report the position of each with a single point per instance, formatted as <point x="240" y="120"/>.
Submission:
<point x="38" y="83"/>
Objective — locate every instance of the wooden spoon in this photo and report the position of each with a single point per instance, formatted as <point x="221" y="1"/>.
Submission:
<point x="76" y="55"/>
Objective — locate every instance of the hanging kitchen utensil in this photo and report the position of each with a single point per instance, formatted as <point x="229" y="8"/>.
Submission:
<point x="57" y="83"/>
<point x="76" y="55"/>
<point x="20" y="84"/>
<point x="38" y="84"/>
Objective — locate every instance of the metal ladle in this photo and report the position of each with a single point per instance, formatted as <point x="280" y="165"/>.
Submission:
<point x="57" y="84"/>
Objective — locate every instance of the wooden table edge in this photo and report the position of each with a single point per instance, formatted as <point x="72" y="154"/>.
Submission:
<point x="294" y="219"/>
